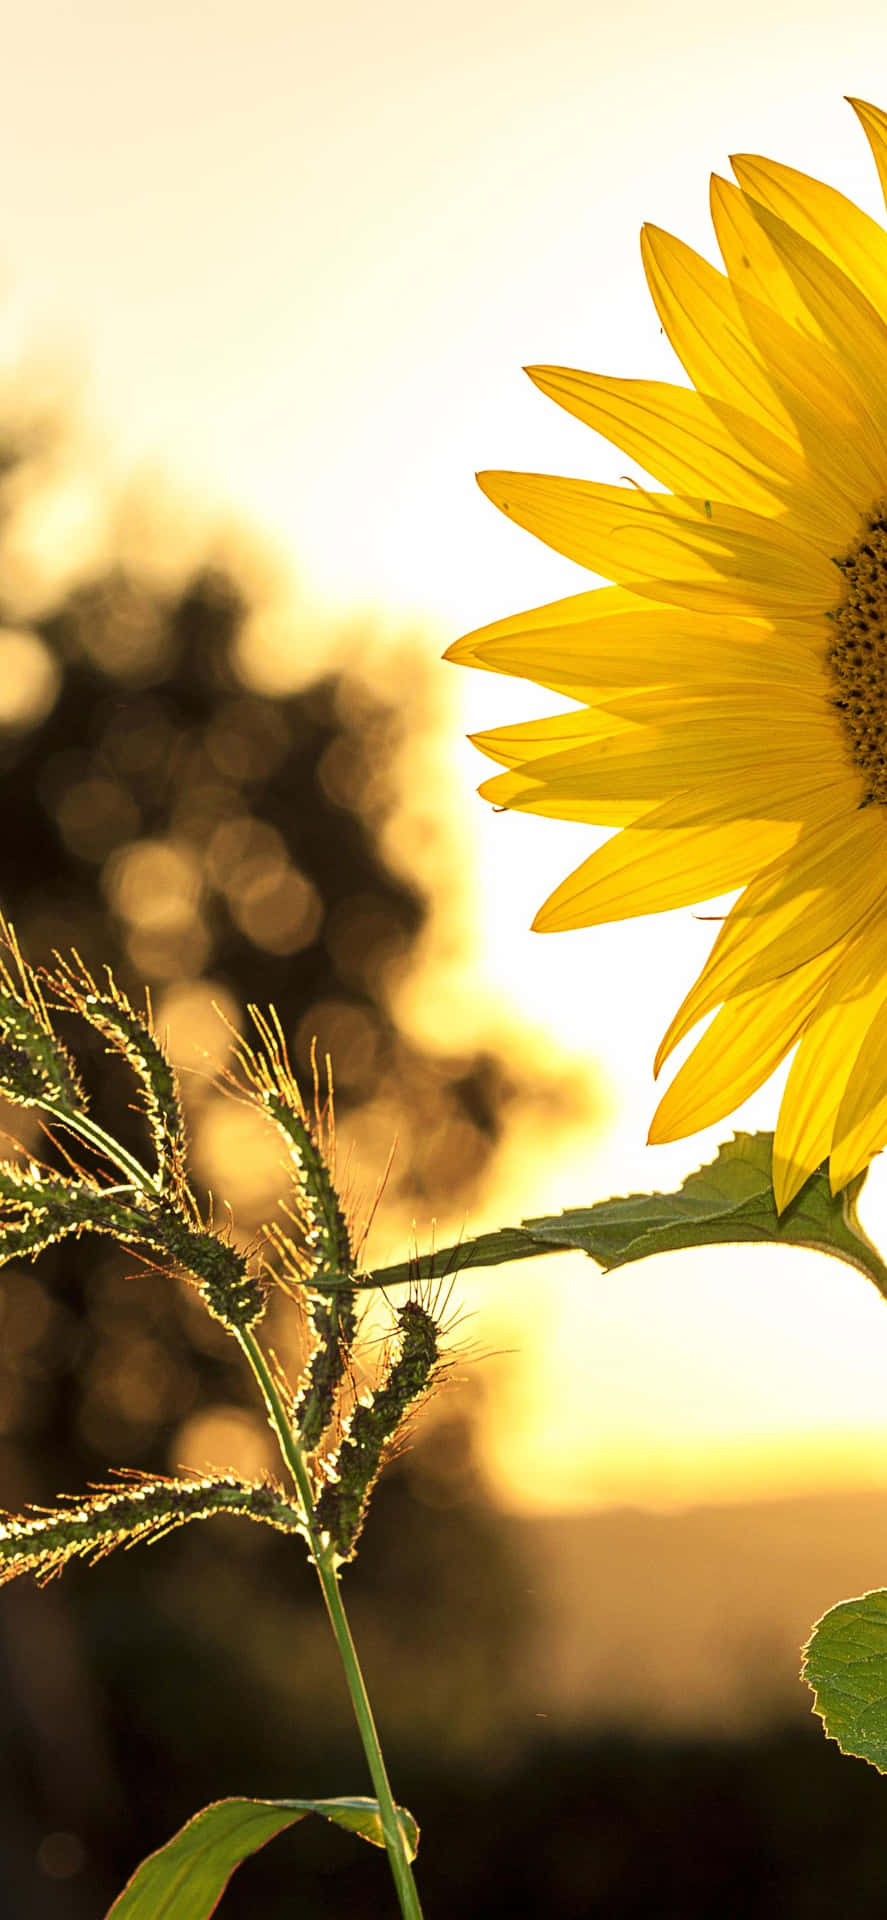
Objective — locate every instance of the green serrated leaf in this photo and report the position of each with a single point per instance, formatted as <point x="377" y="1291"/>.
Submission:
<point x="845" y="1663"/>
<point x="185" y="1879"/>
<point x="728" y="1201"/>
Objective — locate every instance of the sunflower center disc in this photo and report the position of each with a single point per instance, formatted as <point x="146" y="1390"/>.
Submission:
<point x="857" y="653"/>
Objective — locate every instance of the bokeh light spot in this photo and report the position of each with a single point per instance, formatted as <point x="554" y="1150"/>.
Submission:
<point x="29" y="679"/>
<point x="280" y="911"/>
<point x="362" y="939"/>
<point x="241" y="1158"/>
<point x="119" y="626"/>
<point x="348" y="1033"/>
<point x="61" y="1855"/>
<point x="247" y="742"/>
<point x="274" y="654"/>
<point x="94" y="816"/>
<point x="154" y="885"/>
<point x="225" y="1440"/>
<point x="190" y="1018"/>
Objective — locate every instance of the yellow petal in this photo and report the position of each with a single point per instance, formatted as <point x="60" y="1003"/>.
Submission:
<point x="693" y="444"/>
<point x="716" y="804"/>
<point x="849" y="324"/>
<point x="748" y="256"/>
<point x="521" y="795"/>
<point x="715" y="739"/>
<point x="874" y="122"/>
<point x="656" y="866"/>
<point x="519" y="745"/>
<point x="736" y="710"/>
<point x="851" y="239"/>
<point x="723" y="560"/>
<point x="861" y="1124"/>
<point x="722" y="789"/>
<point x="740" y="350"/>
<point x="831" y="881"/>
<point x="702" y="317"/>
<point x="612" y="638"/>
<point x="579" y="610"/>
<point x="739" y="1050"/>
<point x="528" y="740"/>
<point x="824" y="1061"/>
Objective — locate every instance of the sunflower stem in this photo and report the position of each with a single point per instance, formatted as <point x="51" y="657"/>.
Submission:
<point x="327" y="1573"/>
<point x="874" y="1266"/>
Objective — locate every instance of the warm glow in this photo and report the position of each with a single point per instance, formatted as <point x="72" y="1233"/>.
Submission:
<point x="227" y="1435"/>
<point x="28" y="679"/>
<point x="304" y="258"/>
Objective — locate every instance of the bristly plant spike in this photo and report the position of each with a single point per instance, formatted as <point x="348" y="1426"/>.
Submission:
<point x="310" y="1253"/>
<point x="71" y="987"/>
<point x="35" y="1068"/>
<point x="372" y="1426"/>
<point x="731" y="685"/>
<point x="142" y="1508"/>
<point x="155" y="1212"/>
<point x="322" y="1252"/>
<point x="314" y="1253"/>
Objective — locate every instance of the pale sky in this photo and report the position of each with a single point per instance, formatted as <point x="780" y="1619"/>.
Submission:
<point x="299" y="256"/>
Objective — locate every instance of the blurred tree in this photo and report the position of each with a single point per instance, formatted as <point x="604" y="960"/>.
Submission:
<point x="162" y="816"/>
<point x="209" y="843"/>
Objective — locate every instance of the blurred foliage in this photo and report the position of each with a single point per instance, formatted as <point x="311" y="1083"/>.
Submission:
<point x="213" y="844"/>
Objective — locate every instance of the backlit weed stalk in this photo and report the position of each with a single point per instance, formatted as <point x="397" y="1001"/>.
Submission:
<point x="333" y="1442"/>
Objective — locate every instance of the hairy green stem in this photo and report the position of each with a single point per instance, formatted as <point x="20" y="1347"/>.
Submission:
<point x="329" y="1581"/>
<point x="102" y="1143"/>
<point x="324" y="1560"/>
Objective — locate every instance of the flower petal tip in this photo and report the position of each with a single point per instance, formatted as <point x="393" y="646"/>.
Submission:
<point x="788" y="1180"/>
<point x="663" y="1051"/>
<point x="486" y="480"/>
<point x="842" y="1169"/>
<point x="669" y="1123"/>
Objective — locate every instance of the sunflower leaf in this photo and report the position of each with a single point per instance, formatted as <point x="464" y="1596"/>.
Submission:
<point x="185" y="1879"/>
<point x="845" y="1664"/>
<point x="727" y="1202"/>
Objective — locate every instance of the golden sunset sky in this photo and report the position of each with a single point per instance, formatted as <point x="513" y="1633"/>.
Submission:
<point x="295" y="257"/>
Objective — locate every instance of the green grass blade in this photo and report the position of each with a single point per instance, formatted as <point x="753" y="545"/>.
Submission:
<point x="185" y="1879"/>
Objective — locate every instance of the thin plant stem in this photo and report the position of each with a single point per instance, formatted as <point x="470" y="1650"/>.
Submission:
<point x="102" y="1143"/>
<point x="329" y="1580"/>
<point x="327" y="1574"/>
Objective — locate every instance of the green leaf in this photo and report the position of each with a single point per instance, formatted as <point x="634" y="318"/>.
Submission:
<point x="845" y="1663"/>
<point x="185" y="1879"/>
<point x="728" y="1201"/>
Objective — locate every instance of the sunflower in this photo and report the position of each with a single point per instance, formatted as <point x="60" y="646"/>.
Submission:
<point x="732" y="683"/>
